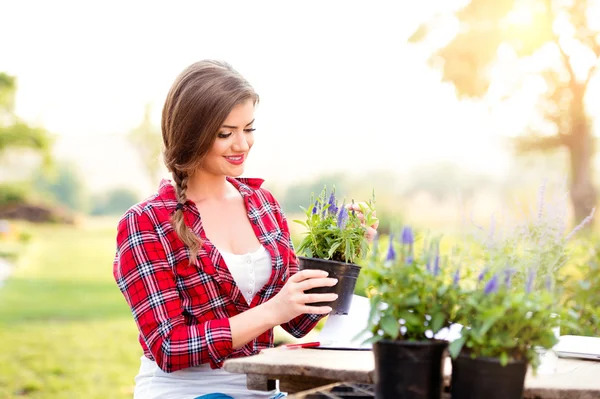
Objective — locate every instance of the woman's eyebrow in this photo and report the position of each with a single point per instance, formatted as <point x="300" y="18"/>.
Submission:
<point x="235" y="127"/>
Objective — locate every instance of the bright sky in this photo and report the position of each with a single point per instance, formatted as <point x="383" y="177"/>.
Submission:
<point x="340" y="88"/>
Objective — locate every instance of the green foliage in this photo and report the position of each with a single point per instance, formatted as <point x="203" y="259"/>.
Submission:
<point x="514" y="303"/>
<point x="333" y="231"/>
<point x="147" y="141"/>
<point x="412" y="297"/>
<point x="14" y="193"/>
<point x="66" y="187"/>
<point x="583" y="300"/>
<point x="15" y="133"/>
<point x="115" y="202"/>
<point x="505" y="323"/>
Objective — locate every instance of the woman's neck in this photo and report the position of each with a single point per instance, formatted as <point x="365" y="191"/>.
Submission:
<point x="205" y="186"/>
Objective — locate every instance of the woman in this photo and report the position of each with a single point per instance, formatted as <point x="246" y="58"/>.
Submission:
<point x="207" y="264"/>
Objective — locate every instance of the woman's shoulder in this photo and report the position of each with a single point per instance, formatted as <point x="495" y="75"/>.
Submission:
<point x="153" y="208"/>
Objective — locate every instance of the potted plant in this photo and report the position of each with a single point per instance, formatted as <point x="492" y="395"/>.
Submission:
<point x="509" y="307"/>
<point x="335" y="240"/>
<point x="413" y="298"/>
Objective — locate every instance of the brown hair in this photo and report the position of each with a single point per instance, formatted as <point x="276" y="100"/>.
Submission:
<point x="197" y="104"/>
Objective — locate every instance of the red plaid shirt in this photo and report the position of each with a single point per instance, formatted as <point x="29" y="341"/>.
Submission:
<point x="182" y="311"/>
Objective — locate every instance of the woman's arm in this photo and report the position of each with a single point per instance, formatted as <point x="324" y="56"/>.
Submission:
<point x="287" y="305"/>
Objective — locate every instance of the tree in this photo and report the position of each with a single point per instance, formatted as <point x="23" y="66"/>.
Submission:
<point x="549" y="41"/>
<point x="65" y="186"/>
<point x="14" y="132"/>
<point x="115" y="202"/>
<point x="148" y="143"/>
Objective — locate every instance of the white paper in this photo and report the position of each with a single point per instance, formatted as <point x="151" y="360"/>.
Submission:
<point x="578" y="346"/>
<point x="341" y="331"/>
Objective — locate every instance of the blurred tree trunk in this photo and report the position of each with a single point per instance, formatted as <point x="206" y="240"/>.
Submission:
<point x="581" y="151"/>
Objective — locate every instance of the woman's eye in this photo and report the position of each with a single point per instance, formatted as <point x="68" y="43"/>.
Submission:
<point x="224" y="135"/>
<point x="249" y="130"/>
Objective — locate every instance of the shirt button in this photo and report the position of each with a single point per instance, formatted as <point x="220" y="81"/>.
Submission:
<point x="251" y="281"/>
<point x="249" y="261"/>
<point x="251" y="270"/>
<point x="249" y="291"/>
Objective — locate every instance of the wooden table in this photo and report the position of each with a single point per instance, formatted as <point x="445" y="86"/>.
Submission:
<point x="302" y="369"/>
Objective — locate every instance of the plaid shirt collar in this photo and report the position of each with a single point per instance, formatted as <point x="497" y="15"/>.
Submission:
<point x="210" y="258"/>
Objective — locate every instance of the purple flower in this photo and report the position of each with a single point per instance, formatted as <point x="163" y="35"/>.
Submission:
<point x="333" y="209"/>
<point x="391" y="254"/>
<point x="315" y="208"/>
<point x="409" y="260"/>
<point x="482" y="274"/>
<point x="491" y="286"/>
<point x="342" y="217"/>
<point x="407" y="236"/>
<point x="436" y="265"/>
<point x="456" y="277"/>
<point x="508" y="274"/>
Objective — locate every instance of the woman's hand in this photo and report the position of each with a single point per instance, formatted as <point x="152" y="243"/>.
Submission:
<point x="372" y="229"/>
<point x="291" y="301"/>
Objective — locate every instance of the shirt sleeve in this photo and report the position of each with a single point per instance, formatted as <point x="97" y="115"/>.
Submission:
<point x="148" y="283"/>
<point x="304" y="323"/>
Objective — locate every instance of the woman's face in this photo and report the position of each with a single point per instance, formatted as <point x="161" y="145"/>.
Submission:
<point x="232" y="145"/>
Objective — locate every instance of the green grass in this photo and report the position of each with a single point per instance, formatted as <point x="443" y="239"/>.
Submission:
<point x="65" y="329"/>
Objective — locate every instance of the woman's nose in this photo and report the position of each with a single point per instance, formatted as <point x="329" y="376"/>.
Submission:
<point x="241" y="142"/>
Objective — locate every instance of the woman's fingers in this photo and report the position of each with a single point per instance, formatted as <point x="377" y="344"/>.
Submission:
<point x="312" y="298"/>
<point x="316" y="309"/>
<point x="317" y="282"/>
<point x="308" y="274"/>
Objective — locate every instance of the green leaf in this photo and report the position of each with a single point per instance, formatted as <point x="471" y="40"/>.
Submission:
<point x="390" y="326"/>
<point x="456" y="346"/>
<point x="503" y="358"/>
<point x="373" y="339"/>
<point x="334" y="248"/>
<point x="410" y="318"/>
<point x="437" y="322"/>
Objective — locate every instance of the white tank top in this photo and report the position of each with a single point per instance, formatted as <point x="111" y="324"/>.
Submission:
<point x="251" y="272"/>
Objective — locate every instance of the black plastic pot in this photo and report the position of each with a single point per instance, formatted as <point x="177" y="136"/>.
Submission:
<point x="346" y="274"/>
<point x="409" y="370"/>
<point x="485" y="377"/>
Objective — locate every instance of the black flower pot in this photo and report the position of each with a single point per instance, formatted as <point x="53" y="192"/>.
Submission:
<point x="409" y="370"/>
<point x="345" y="273"/>
<point x="485" y="377"/>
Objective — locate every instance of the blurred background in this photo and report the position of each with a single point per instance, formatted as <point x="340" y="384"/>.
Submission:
<point x="437" y="106"/>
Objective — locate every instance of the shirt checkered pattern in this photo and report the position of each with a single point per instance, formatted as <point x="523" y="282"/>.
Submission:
<point x="182" y="311"/>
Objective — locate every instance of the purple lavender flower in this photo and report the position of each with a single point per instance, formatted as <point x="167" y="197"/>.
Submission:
<point x="342" y="217"/>
<point x="491" y="286"/>
<point x="456" y="277"/>
<point x="333" y="209"/>
<point x="315" y="208"/>
<point x="409" y="260"/>
<point x="508" y="274"/>
<point x="436" y="265"/>
<point x="407" y="236"/>
<point x="482" y="274"/>
<point x="391" y="254"/>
